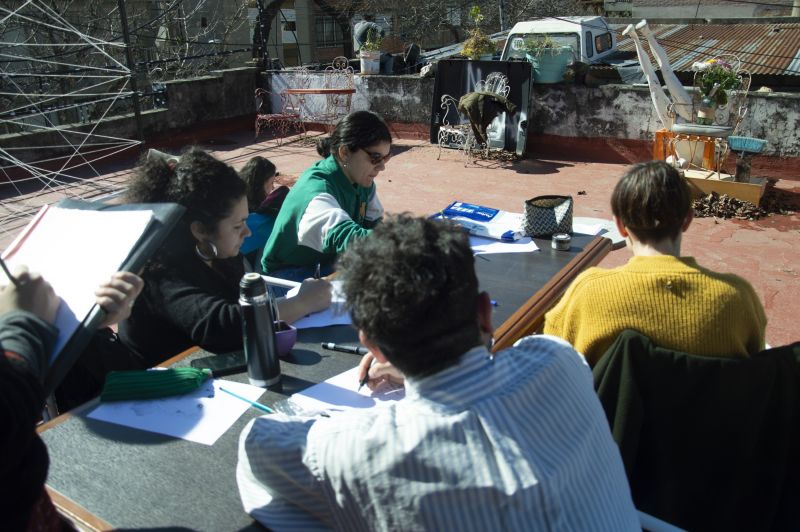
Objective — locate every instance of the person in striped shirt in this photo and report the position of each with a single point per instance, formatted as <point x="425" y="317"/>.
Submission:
<point x="516" y="441"/>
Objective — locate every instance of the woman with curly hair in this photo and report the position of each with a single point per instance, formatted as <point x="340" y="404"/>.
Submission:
<point x="192" y="284"/>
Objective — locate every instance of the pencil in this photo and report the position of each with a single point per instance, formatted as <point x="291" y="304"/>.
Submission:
<point x="363" y="381"/>
<point x="277" y="281"/>
<point x="8" y="273"/>
<point x="265" y="408"/>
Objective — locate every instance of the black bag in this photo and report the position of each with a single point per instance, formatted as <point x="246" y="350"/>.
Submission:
<point x="84" y="381"/>
<point x="547" y="215"/>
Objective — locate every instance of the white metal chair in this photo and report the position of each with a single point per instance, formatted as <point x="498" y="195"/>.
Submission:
<point x="338" y="75"/>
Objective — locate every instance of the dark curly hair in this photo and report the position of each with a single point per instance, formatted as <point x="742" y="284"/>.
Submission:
<point x="359" y="129"/>
<point x="207" y="187"/>
<point x="255" y="173"/>
<point x="651" y="200"/>
<point x="411" y="287"/>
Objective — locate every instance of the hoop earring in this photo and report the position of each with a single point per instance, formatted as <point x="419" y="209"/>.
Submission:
<point x="203" y="256"/>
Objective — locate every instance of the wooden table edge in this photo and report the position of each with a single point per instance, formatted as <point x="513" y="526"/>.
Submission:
<point x="80" y="517"/>
<point x="529" y="318"/>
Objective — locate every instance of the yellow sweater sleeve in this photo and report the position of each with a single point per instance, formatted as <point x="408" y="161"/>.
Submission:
<point x="678" y="304"/>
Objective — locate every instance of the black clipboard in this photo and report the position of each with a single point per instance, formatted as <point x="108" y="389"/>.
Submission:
<point x="165" y="216"/>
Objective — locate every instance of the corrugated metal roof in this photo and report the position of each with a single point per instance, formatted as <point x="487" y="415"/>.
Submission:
<point x="762" y="48"/>
<point x="693" y="3"/>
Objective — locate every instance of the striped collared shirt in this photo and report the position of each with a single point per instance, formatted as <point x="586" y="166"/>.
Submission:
<point x="513" y="442"/>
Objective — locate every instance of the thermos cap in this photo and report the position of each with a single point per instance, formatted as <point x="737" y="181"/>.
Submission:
<point x="252" y="285"/>
<point x="561" y="241"/>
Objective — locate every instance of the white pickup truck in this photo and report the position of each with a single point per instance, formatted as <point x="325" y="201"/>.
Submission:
<point x="590" y="37"/>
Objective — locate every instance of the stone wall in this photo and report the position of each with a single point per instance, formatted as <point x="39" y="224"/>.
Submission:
<point x="223" y="95"/>
<point x="625" y="112"/>
<point x="613" y="112"/>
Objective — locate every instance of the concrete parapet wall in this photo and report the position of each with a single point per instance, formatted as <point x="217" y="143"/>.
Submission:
<point x="224" y="95"/>
<point x="614" y="112"/>
<point x="625" y="112"/>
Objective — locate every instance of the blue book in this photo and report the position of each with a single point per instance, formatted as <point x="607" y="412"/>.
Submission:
<point x="483" y="221"/>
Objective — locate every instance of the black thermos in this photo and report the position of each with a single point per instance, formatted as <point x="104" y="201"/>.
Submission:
<point x="258" y="331"/>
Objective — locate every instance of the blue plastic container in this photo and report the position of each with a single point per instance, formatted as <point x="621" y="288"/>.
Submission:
<point x="549" y="67"/>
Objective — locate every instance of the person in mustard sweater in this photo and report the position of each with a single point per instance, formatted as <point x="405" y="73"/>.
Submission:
<point x="334" y="202"/>
<point x="668" y="297"/>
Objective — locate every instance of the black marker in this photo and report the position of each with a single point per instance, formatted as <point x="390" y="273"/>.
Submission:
<point x="352" y="349"/>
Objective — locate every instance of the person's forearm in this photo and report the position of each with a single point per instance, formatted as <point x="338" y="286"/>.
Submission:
<point x="29" y="339"/>
<point x="292" y="309"/>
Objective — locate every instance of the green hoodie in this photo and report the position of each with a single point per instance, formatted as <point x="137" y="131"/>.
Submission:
<point x="321" y="215"/>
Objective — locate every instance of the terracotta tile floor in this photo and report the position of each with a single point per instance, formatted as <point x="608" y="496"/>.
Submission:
<point x="765" y="252"/>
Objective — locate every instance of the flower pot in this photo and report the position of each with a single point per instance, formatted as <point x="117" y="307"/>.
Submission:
<point x="370" y="61"/>
<point x="550" y="65"/>
<point x="706" y="114"/>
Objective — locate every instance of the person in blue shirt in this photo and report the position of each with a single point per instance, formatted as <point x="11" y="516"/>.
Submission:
<point x="264" y="201"/>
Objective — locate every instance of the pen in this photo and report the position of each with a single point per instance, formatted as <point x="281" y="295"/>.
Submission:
<point x="8" y="273"/>
<point x="265" y="408"/>
<point x="316" y="272"/>
<point x="363" y="381"/>
<point x="352" y="349"/>
<point x="277" y="281"/>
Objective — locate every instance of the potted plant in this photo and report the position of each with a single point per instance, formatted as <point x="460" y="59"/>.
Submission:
<point x="548" y="58"/>
<point x="370" y="53"/>
<point x="478" y="45"/>
<point x="714" y="77"/>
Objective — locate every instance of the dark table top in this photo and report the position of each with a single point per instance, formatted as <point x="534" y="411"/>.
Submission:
<point x="133" y="479"/>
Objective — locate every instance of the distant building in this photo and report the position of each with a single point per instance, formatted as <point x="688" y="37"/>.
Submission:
<point x="713" y="9"/>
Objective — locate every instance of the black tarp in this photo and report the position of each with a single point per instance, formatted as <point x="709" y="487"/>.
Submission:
<point x="457" y="77"/>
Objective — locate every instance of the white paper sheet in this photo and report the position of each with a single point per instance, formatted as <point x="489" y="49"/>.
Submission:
<point x="333" y="315"/>
<point x="487" y="246"/>
<point x="341" y="393"/>
<point x="75" y="250"/>
<point x="201" y="416"/>
<point x="587" y="229"/>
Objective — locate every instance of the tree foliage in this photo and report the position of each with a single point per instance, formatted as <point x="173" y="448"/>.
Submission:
<point x="416" y="20"/>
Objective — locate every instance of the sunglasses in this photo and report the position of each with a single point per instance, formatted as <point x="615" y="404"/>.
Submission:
<point x="377" y="158"/>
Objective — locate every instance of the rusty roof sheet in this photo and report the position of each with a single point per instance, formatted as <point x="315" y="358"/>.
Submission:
<point x="693" y="3"/>
<point x="762" y="48"/>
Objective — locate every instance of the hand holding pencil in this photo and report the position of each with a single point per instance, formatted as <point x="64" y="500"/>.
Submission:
<point x="374" y="373"/>
<point x="29" y="291"/>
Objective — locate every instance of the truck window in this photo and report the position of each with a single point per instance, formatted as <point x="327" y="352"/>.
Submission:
<point x="516" y="44"/>
<point x="603" y="42"/>
<point x="589" y="47"/>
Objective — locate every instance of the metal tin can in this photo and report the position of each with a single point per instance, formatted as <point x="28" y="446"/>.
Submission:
<point x="561" y="241"/>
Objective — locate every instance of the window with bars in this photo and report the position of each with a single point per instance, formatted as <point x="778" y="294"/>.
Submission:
<point x="329" y="33"/>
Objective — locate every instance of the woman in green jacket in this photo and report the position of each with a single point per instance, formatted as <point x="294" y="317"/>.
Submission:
<point x="334" y="202"/>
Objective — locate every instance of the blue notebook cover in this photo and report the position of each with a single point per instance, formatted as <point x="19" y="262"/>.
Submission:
<point x="484" y="221"/>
